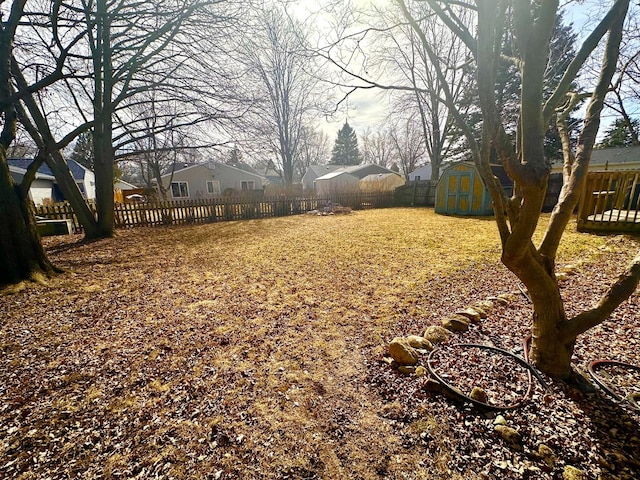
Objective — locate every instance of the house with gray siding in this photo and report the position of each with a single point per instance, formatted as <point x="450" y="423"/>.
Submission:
<point x="209" y="180"/>
<point x="609" y="160"/>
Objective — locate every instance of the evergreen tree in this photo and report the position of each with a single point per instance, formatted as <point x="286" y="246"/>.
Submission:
<point x="235" y="157"/>
<point x="345" y="151"/>
<point x="83" y="150"/>
<point x="619" y="134"/>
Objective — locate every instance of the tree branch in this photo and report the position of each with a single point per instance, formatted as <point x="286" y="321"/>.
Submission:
<point x="620" y="291"/>
<point x="585" y="50"/>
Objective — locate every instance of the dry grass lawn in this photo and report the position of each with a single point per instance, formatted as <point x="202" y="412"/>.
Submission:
<point x="233" y="350"/>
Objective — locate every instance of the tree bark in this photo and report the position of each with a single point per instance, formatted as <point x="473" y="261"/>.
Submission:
<point x="22" y="256"/>
<point x="103" y="128"/>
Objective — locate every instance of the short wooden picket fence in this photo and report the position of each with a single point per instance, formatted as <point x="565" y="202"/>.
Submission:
<point x="179" y="212"/>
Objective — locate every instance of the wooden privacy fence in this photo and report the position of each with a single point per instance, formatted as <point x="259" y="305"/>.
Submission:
<point x="179" y="212"/>
<point x="609" y="202"/>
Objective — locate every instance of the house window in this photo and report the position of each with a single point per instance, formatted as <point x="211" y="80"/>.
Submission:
<point x="179" y="189"/>
<point x="248" y="185"/>
<point x="213" y="187"/>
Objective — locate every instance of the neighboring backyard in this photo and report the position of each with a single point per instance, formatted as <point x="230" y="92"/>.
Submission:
<point x="253" y="349"/>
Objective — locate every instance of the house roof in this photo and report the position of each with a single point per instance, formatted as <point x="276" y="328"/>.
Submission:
<point x="376" y="177"/>
<point x="623" y="155"/>
<point x="21" y="171"/>
<point x="211" y="165"/>
<point x="335" y="174"/>
<point x="422" y="168"/>
<point x="319" y="170"/>
<point x="77" y="170"/>
<point x="246" y="167"/>
<point x="365" y="169"/>
<point x="122" y="185"/>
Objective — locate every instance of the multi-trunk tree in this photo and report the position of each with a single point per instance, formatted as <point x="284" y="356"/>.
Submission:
<point x="409" y="144"/>
<point x="531" y="25"/>
<point x="21" y="254"/>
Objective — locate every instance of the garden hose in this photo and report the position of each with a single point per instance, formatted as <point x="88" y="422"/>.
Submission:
<point x="633" y="399"/>
<point x="519" y="360"/>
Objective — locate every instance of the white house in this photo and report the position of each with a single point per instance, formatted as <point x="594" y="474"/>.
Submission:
<point x="421" y="173"/>
<point x="45" y="185"/>
<point x="85" y="179"/>
<point x="41" y="188"/>
<point x="209" y="180"/>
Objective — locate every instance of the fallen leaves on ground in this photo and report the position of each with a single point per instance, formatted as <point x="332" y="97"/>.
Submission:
<point x="253" y="350"/>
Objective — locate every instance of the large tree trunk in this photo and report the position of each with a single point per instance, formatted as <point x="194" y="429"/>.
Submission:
<point x="21" y="252"/>
<point x="103" y="129"/>
<point x="103" y="169"/>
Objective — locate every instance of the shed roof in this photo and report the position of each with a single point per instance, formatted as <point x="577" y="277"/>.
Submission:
<point x="496" y="168"/>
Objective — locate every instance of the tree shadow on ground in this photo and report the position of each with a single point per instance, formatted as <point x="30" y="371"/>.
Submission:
<point x="615" y="427"/>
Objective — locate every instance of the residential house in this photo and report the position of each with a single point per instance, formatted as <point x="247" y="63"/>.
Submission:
<point x="609" y="160"/>
<point x="363" y="170"/>
<point x="315" y="171"/>
<point x="122" y="185"/>
<point x="83" y="176"/>
<point x="209" y="180"/>
<point x="42" y="187"/>
<point x="421" y="173"/>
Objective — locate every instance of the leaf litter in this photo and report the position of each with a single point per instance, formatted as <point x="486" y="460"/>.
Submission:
<point x="253" y="350"/>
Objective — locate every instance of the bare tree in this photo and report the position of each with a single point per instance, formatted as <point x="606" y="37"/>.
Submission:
<point x="378" y="148"/>
<point x="21" y="252"/>
<point x="417" y="69"/>
<point x="387" y="54"/>
<point x="625" y="86"/>
<point x="276" y="57"/>
<point x="523" y="157"/>
<point x="314" y="149"/>
<point x="408" y="142"/>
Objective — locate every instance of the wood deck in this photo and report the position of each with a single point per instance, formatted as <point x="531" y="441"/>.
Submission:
<point x="609" y="202"/>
